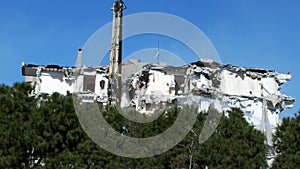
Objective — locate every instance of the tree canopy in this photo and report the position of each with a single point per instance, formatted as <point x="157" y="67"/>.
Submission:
<point x="287" y="143"/>
<point x="44" y="132"/>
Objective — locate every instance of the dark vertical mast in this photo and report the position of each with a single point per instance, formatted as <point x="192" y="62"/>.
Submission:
<point x="115" y="69"/>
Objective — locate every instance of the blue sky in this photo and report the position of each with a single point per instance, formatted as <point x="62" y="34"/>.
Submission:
<point x="256" y="33"/>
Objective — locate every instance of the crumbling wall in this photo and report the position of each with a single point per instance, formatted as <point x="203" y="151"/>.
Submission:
<point x="148" y="87"/>
<point x="255" y="91"/>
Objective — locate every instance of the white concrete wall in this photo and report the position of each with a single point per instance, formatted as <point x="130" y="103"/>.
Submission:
<point x="51" y="82"/>
<point x="98" y="91"/>
<point x="158" y="81"/>
<point x="232" y="84"/>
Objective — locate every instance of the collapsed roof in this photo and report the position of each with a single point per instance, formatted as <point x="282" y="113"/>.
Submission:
<point x="147" y="87"/>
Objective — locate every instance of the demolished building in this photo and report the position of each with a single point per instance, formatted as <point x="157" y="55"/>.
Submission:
<point x="255" y="91"/>
<point x="149" y="86"/>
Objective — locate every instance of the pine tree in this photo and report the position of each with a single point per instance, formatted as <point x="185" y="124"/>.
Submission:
<point x="15" y="132"/>
<point x="234" y="144"/>
<point x="287" y="143"/>
<point x="44" y="132"/>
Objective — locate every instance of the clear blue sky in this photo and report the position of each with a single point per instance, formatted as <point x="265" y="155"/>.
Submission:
<point x="254" y="33"/>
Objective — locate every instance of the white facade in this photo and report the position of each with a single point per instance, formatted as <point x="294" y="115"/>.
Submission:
<point x="255" y="91"/>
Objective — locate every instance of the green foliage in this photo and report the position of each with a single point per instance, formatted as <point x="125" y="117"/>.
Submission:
<point x="15" y="133"/>
<point x="287" y="143"/>
<point x="44" y="132"/>
<point x="140" y="130"/>
<point x="234" y="144"/>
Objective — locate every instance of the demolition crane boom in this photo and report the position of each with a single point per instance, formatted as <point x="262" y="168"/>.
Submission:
<point x="115" y="67"/>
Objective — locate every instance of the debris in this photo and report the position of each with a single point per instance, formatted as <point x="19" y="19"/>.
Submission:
<point x="148" y="87"/>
